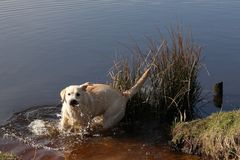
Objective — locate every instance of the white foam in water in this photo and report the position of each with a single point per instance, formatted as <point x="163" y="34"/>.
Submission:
<point x="38" y="127"/>
<point x="43" y="128"/>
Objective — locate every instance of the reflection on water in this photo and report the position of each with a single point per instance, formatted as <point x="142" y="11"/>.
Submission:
<point x="141" y="141"/>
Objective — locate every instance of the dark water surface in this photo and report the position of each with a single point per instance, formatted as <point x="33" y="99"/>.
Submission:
<point x="46" y="45"/>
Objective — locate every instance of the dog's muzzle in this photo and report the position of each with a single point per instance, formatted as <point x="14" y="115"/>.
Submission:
<point x="73" y="103"/>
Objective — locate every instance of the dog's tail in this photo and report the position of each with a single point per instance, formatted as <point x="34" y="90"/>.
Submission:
<point x="129" y="93"/>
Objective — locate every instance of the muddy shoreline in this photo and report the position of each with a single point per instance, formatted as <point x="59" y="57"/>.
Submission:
<point x="101" y="148"/>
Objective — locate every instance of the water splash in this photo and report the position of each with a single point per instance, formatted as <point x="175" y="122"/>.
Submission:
<point x="39" y="128"/>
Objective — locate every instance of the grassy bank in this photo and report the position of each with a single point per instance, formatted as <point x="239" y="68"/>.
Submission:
<point x="216" y="136"/>
<point x="8" y="156"/>
<point x="173" y="90"/>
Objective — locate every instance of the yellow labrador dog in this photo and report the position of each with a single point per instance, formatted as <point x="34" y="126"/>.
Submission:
<point x="83" y="102"/>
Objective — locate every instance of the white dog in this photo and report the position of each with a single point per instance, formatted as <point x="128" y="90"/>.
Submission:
<point x="83" y="102"/>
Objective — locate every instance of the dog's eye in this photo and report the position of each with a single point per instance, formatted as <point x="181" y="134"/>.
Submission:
<point x="77" y="94"/>
<point x="69" y="94"/>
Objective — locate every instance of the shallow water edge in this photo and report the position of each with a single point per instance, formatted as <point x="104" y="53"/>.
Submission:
<point x="146" y="140"/>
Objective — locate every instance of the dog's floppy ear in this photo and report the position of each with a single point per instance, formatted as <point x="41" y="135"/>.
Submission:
<point x="85" y="85"/>
<point x="62" y="94"/>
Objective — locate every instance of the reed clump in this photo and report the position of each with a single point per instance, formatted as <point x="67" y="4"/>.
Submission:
<point x="173" y="90"/>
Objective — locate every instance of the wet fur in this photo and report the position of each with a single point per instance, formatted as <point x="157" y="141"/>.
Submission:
<point x="95" y="100"/>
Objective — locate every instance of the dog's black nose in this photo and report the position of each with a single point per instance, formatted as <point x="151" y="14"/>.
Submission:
<point x="73" y="102"/>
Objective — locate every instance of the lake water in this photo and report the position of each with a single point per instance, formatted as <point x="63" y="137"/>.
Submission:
<point x="46" y="45"/>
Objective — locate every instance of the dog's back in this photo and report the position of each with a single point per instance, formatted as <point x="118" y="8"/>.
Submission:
<point x="103" y="96"/>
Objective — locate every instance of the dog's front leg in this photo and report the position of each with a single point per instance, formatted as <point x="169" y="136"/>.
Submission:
<point x="64" y="123"/>
<point x="75" y="126"/>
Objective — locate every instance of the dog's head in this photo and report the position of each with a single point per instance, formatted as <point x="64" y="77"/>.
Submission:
<point x="74" y="94"/>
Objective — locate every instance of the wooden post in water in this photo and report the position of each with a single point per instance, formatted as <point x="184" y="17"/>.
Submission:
<point x="218" y="94"/>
